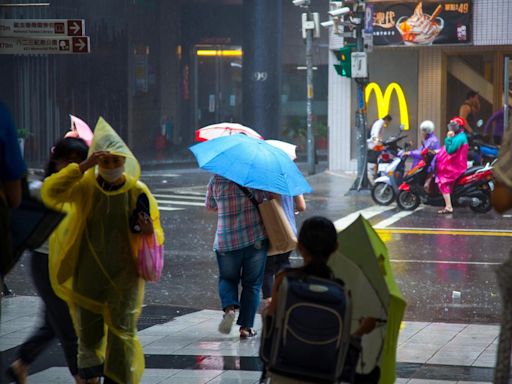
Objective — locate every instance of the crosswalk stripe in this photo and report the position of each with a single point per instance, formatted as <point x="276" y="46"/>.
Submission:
<point x="193" y="203"/>
<point x="170" y="209"/>
<point x="393" y="219"/>
<point x="180" y="191"/>
<point x="174" y="196"/>
<point x="367" y="213"/>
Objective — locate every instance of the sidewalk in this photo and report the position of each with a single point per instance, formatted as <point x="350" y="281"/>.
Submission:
<point x="183" y="346"/>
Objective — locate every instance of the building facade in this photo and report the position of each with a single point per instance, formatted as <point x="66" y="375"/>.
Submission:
<point x="434" y="79"/>
<point x="158" y="70"/>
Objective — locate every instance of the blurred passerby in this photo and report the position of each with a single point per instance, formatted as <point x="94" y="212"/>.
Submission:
<point x="55" y="317"/>
<point x="468" y="111"/>
<point x="451" y="161"/>
<point x="12" y="170"/>
<point x="241" y="247"/>
<point x="495" y="124"/>
<point x="502" y="201"/>
<point x="274" y="264"/>
<point x="97" y="273"/>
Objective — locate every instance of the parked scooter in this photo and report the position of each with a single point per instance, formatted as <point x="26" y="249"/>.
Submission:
<point x="389" y="150"/>
<point x="385" y="188"/>
<point x="485" y="152"/>
<point x="473" y="188"/>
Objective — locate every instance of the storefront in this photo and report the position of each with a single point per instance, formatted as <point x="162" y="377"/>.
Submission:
<point x="461" y="46"/>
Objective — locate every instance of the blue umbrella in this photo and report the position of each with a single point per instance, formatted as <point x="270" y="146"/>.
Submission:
<point x="251" y="163"/>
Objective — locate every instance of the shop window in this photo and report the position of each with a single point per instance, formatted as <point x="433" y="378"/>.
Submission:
<point x="471" y="73"/>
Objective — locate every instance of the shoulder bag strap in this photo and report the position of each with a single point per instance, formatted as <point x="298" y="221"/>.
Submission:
<point x="249" y="195"/>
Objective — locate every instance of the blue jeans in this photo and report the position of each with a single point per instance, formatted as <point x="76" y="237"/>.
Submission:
<point x="246" y="265"/>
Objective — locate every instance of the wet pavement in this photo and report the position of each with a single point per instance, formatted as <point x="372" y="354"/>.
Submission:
<point x="432" y="256"/>
<point x="429" y="264"/>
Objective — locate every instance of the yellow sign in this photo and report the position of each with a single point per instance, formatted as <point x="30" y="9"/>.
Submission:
<point x="384" y="100"/>
<point x="219" y="52"/>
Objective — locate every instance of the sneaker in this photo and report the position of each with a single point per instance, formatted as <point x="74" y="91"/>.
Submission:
<point x="246" y="333"/>
<point x="227" y="322"/>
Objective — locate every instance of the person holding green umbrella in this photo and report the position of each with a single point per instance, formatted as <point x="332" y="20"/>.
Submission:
<point x="362" y="262"/>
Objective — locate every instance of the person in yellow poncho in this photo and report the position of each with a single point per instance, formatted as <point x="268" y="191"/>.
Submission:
<point x="95" y="267"/>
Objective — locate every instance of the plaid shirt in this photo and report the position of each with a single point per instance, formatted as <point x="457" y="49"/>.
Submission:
<point x="238" y="221"/>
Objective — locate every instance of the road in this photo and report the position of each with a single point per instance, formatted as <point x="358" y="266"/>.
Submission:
<point x="432" y="255"/>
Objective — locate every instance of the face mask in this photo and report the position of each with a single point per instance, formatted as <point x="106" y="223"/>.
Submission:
<point x="111" y="175"/>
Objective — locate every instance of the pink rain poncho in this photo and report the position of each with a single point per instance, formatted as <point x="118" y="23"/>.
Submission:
<point x="451" y="161"/>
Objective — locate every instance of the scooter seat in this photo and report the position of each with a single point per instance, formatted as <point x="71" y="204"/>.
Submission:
<point x="471" y="170"/>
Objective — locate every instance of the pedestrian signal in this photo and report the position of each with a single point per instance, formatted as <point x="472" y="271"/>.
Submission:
<point x="344" y="68"/>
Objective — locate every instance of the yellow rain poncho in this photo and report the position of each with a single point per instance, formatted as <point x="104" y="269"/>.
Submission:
<point x="93" y="266"/>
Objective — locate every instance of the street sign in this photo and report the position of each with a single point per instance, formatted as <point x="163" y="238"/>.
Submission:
<point x="44" y="45"/>
<point x="41" y="27"/>
<point x="359" y="65"/>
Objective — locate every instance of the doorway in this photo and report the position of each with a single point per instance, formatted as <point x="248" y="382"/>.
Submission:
<point x="217" y="71"/>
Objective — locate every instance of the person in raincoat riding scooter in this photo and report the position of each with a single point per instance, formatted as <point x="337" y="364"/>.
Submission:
<point x="96" y="255"/>
<point x="429" y="141"/>
<point x="451" y="161"/>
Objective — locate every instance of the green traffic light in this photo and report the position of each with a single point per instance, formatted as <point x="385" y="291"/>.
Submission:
<point x="344" y="68"/>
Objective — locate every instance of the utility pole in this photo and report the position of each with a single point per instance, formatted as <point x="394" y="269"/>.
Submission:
<point x="361" y="181"/>
<point x="351" y="13"/>
<point x="310" y="30"/>
<point x="309" y="83"/>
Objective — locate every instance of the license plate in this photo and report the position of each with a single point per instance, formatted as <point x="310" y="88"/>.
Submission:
<point x="383" y="167"/>
<point x="491" y="185"/>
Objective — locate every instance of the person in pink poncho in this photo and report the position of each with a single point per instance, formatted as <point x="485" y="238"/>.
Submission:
<point x="451" y="161"/>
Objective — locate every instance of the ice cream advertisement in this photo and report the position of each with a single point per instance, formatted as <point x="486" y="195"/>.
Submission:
<point x="422" y="23"/>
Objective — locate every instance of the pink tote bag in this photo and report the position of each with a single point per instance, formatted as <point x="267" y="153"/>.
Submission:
<point x="150" y="259"/>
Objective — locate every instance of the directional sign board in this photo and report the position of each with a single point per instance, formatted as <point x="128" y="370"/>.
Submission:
<point x="41" y="27"/>
<point x="44" y="45"/>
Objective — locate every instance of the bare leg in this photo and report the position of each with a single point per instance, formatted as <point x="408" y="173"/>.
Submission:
<point x="448" y="203"/>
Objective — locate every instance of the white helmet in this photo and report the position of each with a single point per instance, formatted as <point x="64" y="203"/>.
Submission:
<point x="427" y="126"/>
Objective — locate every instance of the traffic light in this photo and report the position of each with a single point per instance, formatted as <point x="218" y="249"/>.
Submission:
<point x="344" y="68"/>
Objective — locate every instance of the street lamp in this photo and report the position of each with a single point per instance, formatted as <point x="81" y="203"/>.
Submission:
<point x="341" y="15"/>
<point x="310" y="30"/>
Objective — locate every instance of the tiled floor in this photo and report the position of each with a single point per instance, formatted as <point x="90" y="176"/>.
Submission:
<point x="194" y="336"/>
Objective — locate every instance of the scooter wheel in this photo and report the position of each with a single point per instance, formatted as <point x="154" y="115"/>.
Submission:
<point x="383" y="194"/>
<point x="407" y="200"/>
<point x="485" y="206"/>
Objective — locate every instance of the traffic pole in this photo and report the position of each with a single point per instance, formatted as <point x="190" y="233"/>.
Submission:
<point x="361" y="182"/>
<point x="309" y="100"/>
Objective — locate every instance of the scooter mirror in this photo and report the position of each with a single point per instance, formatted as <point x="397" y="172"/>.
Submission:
<point x="479" y="123"/>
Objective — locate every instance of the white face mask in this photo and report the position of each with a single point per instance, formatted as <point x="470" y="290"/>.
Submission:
<point x="111" y="175"/>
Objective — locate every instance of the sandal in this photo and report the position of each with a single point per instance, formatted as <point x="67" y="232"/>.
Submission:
<point x="445" y="211"/>
<point x="246" y="333"/>
<point x="17" y="373"/>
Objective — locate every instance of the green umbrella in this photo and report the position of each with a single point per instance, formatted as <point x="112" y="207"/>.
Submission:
<point x="362" y="262"/>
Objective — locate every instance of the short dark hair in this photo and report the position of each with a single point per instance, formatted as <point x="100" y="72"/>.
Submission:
<point x="387" y="117"/>
<point x="318" y="236"/>
<point x="63" y="149"/>
<point x="471" y="94"/>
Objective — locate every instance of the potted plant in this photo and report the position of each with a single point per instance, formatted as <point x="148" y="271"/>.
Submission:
<point x="321" y="135"/>
<point x="23" y="133"/>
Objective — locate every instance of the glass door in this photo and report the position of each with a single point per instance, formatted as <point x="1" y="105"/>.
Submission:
<point x="217" y="84"/>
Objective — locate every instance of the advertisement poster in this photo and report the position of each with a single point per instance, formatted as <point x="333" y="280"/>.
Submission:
<point x="422" y="23"/>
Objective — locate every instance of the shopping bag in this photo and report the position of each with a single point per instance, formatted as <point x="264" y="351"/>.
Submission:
<point x="150" y="259"/>
<point x="279" y="231"/>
